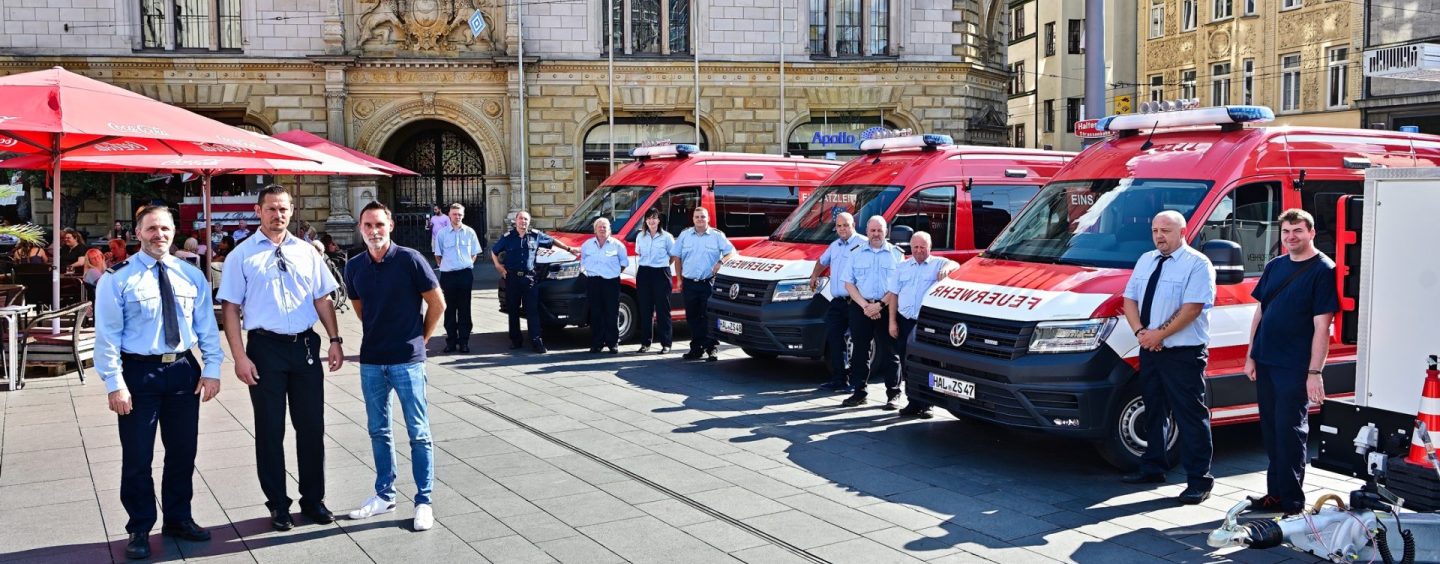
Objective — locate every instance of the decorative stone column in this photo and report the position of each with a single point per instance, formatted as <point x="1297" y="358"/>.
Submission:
<point x="341" y="222"/>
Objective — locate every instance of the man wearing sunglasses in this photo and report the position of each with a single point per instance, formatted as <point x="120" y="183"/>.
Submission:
<point x="283" y="287"/>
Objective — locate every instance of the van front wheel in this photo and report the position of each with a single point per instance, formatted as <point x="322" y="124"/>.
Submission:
<point x="625" y="320"/>
<point x="1125" y="438"/>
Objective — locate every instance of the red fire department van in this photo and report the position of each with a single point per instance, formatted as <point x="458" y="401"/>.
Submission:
<point x="747" y="196"/>
<point x="963" y="196"/>
<point x="1025" y="336"/>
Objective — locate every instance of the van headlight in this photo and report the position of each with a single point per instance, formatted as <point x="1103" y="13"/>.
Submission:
<point x="1071" y="336"/>
<point x="565" y="270"/>
<point x="792" y="290"/>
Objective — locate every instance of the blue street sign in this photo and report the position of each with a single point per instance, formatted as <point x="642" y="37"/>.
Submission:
<point x="477" y="23"/>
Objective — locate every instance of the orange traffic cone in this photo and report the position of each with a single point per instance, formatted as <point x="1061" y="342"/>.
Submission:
<point x="1428" y="418"/>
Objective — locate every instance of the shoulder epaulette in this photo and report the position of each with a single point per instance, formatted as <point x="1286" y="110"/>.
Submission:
<point x="118" y="267"/>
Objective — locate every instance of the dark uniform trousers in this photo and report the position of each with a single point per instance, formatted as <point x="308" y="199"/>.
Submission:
<point x="162" y="394"/>
<point x="864" y="331"/>
<point x="907" y="330"/>
<point x="455" y="286"/>
<point x="1172" y="383"/>
<point x="652" y="287"/>
<point x="1284" y="428"/>
<point x="696" y="295"/>
<point x="519" y="287"/>
<point x="837" y="322"/>
<point x="603" y="295"/>
<point x="290" y="368"/>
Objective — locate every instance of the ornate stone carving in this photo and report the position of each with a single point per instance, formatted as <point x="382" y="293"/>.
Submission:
<point x="363" y="108"/>
<point x="427" y="26"/>
<point x="1220" y="44"/>
<point x="491" y="108"/>
<point x="335" y="99"/>
<point x="427" y="102"/>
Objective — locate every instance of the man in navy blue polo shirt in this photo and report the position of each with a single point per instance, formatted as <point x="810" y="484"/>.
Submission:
<point x="1290" y="340"/>
<point x="386" y="286"/>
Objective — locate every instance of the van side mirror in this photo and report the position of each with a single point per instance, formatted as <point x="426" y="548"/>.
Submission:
<point x="634" y="234"/>
<point x="1225" y="256"/>
<point x="900" y="236"/>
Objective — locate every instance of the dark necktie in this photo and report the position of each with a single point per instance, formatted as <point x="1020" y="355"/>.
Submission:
<point x="168" y="308"/>
<point x="1150" y="290"/>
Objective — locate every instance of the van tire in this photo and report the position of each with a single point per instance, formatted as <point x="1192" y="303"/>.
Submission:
<point x="1123" y="443"/>
<point x="760" y="355"/>
<point x="625" y="319"/>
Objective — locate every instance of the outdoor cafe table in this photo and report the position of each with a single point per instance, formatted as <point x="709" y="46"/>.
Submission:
<point x="11" y="314"/>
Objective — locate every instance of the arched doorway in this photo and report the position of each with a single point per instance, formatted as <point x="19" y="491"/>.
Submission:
<point x="451" y="170"/>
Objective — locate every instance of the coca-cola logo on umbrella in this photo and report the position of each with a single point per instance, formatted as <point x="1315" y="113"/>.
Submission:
<point x="138" y="129"/>
<point x="7" y="142"/>
<point x="219" y="148"/>
<point x="191" y="162"/>
<point x="122" y="146"/>
<point x="237" y="142"/>
<point x="4" y="119"/>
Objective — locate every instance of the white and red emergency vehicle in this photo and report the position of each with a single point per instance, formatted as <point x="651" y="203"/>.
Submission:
<point x="962" y="195"/>
<point x="1025" y="337"/>
<point x="747" y="196"/>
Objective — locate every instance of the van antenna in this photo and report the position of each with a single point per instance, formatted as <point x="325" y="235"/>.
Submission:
<point x="1148" y="144"/>
<point x="1300" y="182"/>
<point x="969" y="182"/>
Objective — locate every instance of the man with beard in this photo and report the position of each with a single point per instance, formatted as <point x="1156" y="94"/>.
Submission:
<point x="284" y="287"/>
<point x="150" y="311"/>
<point x="386" y="285"/>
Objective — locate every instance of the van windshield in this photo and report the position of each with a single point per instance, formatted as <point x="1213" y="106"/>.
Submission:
<point x="1098" y="223"/>
<point x="814" y="221"/>
<point x="616" y="203"/>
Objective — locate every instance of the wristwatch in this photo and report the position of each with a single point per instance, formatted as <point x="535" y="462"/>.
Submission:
<point x="337" y="340"/>
<point x="1316" y="372"/>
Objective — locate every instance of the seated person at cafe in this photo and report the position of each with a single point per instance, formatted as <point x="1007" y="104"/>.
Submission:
<point x="117" y="253"/>
<point x="227" y="244"/>
<point x="94" y="268"/>
<point x="190" y="251"/>
<point x="29" y="253"/>
<point x="72" y="250"/>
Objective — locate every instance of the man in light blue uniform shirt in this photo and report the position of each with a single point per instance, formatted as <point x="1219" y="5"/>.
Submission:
<point x="653" y="281"/>
<point x="602" y="258"/>
<point x="150" y="311"/>
<point x="1167" y="306"/>
<point x="904" y="292"/>
<point x="455" y="252"/>
<point x="837" y="315"/>
<point x="866" y="272"/>
<point x="283" y="287"/>
<point x="701" y="250"/>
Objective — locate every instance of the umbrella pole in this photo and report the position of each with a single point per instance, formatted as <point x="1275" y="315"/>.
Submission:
<point x="209" y="222"/>
<point x="55" y="223"/>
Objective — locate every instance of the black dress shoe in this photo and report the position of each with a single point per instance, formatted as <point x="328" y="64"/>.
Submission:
<point x="1143" y="478"/>
<point x="693" y="355"/>
<point x="1272" y="504"/>
<point x="448" y="349"/>
<point x="1193" y="495"/>
<point x="464" y="348"/>
<point x="280" y="520"/>
<point x="710" y="356"/>
<point x="613" y="350"/>
<point x="319" y="513"/>
<point x="139" y="546"/>
<point x="538" y="347"/>
<point x="594" y="350"/>
<point x="853" y="401"/>
<point x="186" y="529"/>
<point x="910" y="410"/>
<point x="643" y="349"/>
<point x="664" y="350"/>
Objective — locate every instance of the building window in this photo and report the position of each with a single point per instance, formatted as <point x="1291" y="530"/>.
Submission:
<point x="849" y="28"/>
<point x="628" y="134"/>
<point x="190" y="24"/>
<point x="1251" y="7"/>
<point x="1220" y="84"/>
<point x="1077" y="37"/>
<point x="1290" y="83"/>
<point x="1017" y="22"/>
<point x="1288" y="4"/>
<point x="1338" y="77"/>
<point x="1047" y="122"/>
<point x="654" y="27"/>
<point x="1188" y="19"/>
<point x="1247" y="84"/>
<point x="1157" y="21"/>
<point x="1017" y="138"/>
<point x="1049" y="39"/>
<point x="1072" y="113"/>
<point x="1017" y="78"/>
<point x="1187" y="84"/>
<point x="1223" y="9"/>
<point x="1157" y="88"/>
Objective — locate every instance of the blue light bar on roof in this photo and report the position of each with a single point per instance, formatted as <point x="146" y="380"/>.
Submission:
<point x="907" y="142"/>
<point x="1218" y="115"/>
<point x="681" y="150"/>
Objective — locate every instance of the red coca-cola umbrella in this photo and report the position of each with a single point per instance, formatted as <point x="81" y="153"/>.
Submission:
<point x="320" y="144"/>
<point x="56" y="113"/>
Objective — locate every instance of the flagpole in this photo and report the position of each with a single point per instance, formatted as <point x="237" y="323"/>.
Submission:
<point x="695" y="46"/>
<point x="524" y="142"/>
<point x="610" y="116"/>
<point x="780" y="123"/>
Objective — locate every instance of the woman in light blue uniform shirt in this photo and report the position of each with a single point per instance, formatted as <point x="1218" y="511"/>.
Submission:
<point x="653" y="282"/>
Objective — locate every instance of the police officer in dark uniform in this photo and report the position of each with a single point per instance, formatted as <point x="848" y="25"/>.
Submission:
<point x="150" y="311"/>
<point x="519" y="247"/>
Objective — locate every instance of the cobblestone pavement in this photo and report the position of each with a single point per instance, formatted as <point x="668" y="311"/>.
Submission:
<point x="573" y="457"/>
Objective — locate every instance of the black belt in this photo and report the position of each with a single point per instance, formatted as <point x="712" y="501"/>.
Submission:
<point x="700" y="280"/>
<point x="521" y="272"/>
<point x="281" y="336"/>
<point x="167" y="358"/>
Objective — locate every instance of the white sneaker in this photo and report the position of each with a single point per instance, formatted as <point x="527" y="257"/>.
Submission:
<point x="373" y="506"/>
<point x="424" y="517"/>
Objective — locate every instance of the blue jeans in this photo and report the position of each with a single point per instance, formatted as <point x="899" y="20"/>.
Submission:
<point x="408" y="381"/>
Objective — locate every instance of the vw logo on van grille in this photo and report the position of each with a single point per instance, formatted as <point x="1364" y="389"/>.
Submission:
<point x="958" y="333"/>
<point x="734" y="291"/>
